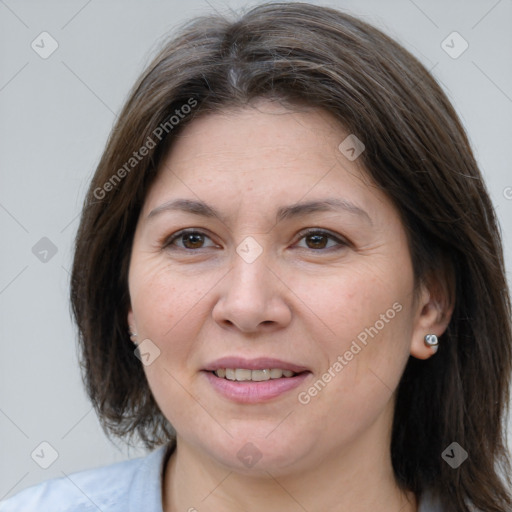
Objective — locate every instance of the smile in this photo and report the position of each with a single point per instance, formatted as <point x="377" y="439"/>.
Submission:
<point x="242" y="374"/>
<point x="247" y="389"/>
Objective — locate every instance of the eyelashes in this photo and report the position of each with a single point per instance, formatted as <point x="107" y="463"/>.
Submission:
<point x="186" y="234"/>
<point x="195" y="239"/>
<point x="322" y="234"/>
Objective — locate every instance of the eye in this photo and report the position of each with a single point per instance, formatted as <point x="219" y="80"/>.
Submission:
<point x="318" y="239"/>
<point x="190" y="238"/>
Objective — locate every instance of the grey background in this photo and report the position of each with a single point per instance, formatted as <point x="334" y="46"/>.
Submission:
<point x="55" y="115"/>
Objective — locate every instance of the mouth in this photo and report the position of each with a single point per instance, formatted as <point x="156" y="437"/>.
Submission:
<point x="245" y="374"/>
<point x="252" y="381"/>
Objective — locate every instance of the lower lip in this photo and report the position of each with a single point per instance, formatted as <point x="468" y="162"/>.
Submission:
<point x="253" y="392"/>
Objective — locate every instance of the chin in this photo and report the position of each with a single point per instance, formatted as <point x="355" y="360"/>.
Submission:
<point x="257" y="455"/>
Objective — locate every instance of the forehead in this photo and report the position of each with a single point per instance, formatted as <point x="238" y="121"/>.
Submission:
<point x="266" y="130"/>
<point x="264" y="150"/>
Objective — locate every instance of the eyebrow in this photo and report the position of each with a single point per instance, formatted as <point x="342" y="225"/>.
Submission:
<point x="283" y="213"/>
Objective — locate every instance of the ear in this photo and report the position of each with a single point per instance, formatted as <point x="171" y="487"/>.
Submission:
<point x="434" y="309"/>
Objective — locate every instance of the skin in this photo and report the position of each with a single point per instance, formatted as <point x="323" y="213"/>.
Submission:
<point x="303" y="300"/>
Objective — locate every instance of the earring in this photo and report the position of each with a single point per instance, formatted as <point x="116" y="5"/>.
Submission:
<point x="432" y="341"/>
<point x="133" y="336"/>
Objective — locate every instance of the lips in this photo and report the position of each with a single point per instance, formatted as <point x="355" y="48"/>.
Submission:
<point x="254" y="390"/>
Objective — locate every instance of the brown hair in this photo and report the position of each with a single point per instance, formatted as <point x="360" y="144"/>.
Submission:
<point x="417" y="152"/>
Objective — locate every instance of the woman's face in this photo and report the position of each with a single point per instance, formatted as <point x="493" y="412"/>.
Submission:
<point x="334" y="305"/>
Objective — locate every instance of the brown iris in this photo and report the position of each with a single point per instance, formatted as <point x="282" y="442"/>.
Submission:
<point x="194" y="239"/>
<point x="319" y="241"/>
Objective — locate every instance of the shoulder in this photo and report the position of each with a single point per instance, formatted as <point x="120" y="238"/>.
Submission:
<point x="109" y="488"/>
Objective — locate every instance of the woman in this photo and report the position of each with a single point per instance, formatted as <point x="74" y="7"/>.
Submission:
<point x="289" y="220"/>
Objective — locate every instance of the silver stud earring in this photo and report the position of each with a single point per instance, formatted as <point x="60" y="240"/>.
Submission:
<point x="432" y="341"/>
<point x="133" y="336"/>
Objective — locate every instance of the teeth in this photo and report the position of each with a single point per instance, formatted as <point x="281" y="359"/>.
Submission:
<point x="260" y="375"/>
<point x="241" y="374"/>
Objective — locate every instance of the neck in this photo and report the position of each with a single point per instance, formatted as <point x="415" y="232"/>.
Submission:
<point x="359" y="478"/>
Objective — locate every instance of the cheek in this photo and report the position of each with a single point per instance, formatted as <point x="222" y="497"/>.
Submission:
<point x="163" y="300"/>
<point x="353" y="301"/>
<point x="166" y="305"/>
<point x="366" y="349"/>
<point x="363" y="317"/>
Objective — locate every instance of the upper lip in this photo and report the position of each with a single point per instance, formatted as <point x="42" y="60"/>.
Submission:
<point x="260" y="363"/>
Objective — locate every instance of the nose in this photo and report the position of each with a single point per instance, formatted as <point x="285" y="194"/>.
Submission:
<point x="252" y="298"/>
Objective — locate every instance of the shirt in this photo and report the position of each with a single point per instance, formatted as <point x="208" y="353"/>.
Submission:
<point x="130" y="486"/>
